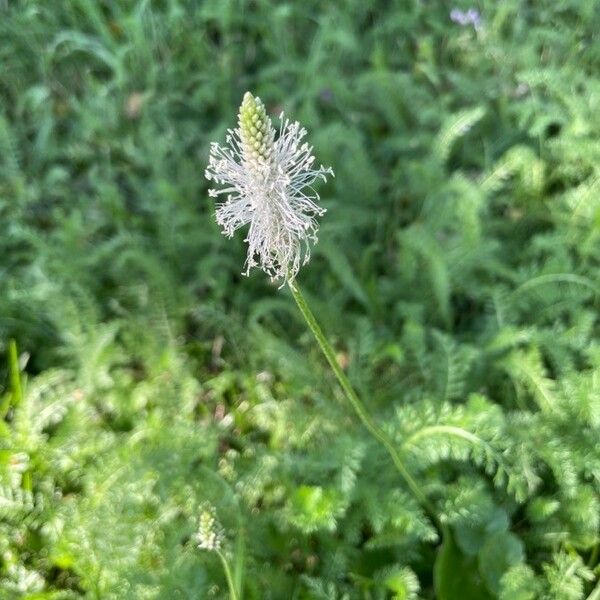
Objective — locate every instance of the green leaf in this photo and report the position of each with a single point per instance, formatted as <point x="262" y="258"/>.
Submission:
<point x="456" y="576"/>
<point x="456" y="127"/>
<point x="500" y="552"/>
<point x="403" y="582"/>
<point x="313" y="508"/>
<point x="472" y="536"/>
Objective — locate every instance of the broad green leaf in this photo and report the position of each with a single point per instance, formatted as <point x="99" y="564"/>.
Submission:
<point x="456" y="576"/>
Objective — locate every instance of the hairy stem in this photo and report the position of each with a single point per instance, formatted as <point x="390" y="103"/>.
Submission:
<point x="357" y="405"/>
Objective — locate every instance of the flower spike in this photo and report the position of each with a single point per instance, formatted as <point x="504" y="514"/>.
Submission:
<point x="267" y="184"/>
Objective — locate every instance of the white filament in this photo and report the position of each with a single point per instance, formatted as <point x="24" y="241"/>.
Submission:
<point x="273" y="195"/>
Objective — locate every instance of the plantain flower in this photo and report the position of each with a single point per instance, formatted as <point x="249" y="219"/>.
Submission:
<point x="267" y="184"/>
<point x="210" y="534"/>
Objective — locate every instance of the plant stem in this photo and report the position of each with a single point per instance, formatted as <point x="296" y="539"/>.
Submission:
<point x="595" y="595"/>
<point x="233" y="594"/>
<point x="15" y="373"/>
<point x="594" y="555"/>
<point x="356" y="403"/>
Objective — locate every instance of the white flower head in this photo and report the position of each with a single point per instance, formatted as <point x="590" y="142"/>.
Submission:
<point x="267" y="184"/>
<point x="210" y="534"/>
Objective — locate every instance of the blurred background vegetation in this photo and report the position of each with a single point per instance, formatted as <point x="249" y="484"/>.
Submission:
<point x="457" y="274"/>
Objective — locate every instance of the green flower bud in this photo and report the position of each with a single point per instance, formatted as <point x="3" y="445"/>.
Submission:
<point x="256" y="130"/>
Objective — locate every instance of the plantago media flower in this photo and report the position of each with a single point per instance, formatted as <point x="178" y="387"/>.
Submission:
<point x="268" y="185"/>
<point x="210" y="533"/>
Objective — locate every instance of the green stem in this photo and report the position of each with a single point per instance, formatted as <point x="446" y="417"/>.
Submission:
<point x="594" y="556"/>
<point x="356" y="403"/>
<point x="15" y="373"/>
<point x="233" y="594"/>
<point x="595" y="595"/>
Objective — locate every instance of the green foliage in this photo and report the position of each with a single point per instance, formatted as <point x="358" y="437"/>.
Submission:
<point x="457" y="276"/>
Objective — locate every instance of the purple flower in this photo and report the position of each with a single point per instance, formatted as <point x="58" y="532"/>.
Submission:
<point x="465" y="18"/>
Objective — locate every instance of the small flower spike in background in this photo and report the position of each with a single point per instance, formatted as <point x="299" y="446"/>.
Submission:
<point x="268" y="185"/>
<point x="210" y="537"/>
<point x="210" y="533"/>
<point x="265" y="183"/>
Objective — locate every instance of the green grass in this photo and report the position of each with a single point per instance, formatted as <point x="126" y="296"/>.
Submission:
<point x="456" y="275"/>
